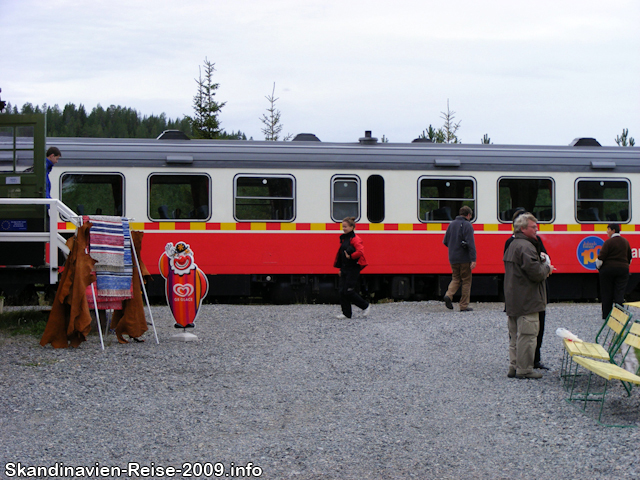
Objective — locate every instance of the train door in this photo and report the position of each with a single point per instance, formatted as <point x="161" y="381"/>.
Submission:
<point x="22" y="175"/>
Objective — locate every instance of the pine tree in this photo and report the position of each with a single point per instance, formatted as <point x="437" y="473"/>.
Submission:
<point x="436" y="136"/>
<point x="271" y="119"/>
<point x="450" y="128"/>
<point x="445" y="134"/>
<point x="205" y="123"/>
<point x="624" y="140"/>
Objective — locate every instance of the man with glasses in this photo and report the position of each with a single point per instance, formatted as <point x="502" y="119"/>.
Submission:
<point x="525" y="295"/>
<point x="537" y="361"/>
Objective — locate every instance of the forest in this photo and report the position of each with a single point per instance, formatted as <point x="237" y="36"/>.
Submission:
<point x="112" y="122"/>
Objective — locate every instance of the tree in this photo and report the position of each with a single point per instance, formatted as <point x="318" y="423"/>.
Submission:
<point x="233" y="135"/>
<point x="116" y="121"/>
<point x="436" y="136"/>
<point x="450" y="128"/>
<point x="445" y="134"/>
<point x="271" y="119"/>
<point x="485" y="140"/>
<point x="624" y="140"/>
<point x="205" y="123"/>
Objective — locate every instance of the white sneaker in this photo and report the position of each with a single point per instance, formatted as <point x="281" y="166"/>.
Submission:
<point x="366" y="311"/>
<point x="340" y="317"/>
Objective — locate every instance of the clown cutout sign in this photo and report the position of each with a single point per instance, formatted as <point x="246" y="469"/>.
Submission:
<point x="186" y="284"/>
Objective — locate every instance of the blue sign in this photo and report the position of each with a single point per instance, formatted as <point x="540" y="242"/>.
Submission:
<point x="588" y="250"/>
<point x="13" y="225"/>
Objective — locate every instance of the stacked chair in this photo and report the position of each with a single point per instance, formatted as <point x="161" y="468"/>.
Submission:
<point x="607" y="341"/>
<point x="617" y="338"/>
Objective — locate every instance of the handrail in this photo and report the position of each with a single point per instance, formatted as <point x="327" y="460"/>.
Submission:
<point x="66" y="214"/>
<point x="56" y="241"/>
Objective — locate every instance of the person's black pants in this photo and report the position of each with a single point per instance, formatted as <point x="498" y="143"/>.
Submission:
<point x="348" y="288"/>
<point x="613" y="283"/>
<point x="536" y="357"/>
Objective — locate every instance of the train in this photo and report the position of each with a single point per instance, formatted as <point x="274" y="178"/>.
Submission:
<point x="263" y="218"/>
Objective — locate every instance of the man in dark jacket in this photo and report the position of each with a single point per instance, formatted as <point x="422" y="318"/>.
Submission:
<point x="537" y="359"/>
<point x="525" y="295"/>
<point x="462" y="257"/>
<point x="53" y="155"/>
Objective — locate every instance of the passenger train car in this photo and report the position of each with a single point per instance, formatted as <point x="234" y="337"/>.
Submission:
<point x="263" y="218"/>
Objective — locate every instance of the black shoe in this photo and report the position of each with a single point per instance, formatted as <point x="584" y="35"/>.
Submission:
<point x="466" y="309"/>
<point x="447" y="302"/>
<point x="541" y="366"/>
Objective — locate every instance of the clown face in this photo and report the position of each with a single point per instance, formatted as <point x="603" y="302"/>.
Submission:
<point x="180" y="258"/>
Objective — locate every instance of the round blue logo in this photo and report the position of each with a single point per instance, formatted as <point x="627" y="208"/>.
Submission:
<point x="588" y="250"/>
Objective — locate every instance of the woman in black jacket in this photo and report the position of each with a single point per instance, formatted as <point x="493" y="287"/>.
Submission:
<point x="613" y="263"/>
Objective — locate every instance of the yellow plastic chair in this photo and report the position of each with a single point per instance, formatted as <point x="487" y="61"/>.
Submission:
<point x="632" y="342"/>
<point x="608" y="371"/>
<point x="607" y="341"/>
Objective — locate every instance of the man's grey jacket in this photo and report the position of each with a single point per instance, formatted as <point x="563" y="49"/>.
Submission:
<point x="460" y="230"/>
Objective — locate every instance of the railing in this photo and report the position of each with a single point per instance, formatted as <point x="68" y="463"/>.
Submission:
<point x="55" y="240"/>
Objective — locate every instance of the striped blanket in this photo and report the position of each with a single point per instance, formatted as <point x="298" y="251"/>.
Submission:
<point x="103" y="303"/>
<point x="113" y="282"/>
<point x="106" y="241"/>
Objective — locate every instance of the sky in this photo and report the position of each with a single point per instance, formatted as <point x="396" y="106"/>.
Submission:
<point x="530" y="72"/>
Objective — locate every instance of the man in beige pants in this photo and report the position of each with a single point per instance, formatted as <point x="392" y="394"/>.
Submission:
<point x="462" y="257"/>
<point x="525" y="295"/>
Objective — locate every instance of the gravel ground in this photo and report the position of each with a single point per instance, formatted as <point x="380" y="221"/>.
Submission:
<point x="412" y="391"/>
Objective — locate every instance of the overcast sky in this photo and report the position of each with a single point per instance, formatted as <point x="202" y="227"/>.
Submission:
<point x="524" y="72"/>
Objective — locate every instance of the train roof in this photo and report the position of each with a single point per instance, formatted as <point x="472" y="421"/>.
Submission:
<point x="434" y="157"/>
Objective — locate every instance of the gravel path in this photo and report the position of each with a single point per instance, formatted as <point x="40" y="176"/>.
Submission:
<point x="413" y="391"/>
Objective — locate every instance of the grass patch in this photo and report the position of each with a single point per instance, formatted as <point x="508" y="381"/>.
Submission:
<point x="24" y="322"/>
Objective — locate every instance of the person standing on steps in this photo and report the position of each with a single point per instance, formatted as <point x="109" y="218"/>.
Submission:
<point x="350" y="260"/>
<point x="53" y="155"/>
<point x="462" y="257"/>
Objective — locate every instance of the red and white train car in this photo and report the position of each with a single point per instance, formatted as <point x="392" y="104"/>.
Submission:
<point x="263" y="218"/>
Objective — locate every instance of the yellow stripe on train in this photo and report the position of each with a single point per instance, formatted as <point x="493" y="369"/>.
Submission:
<point x="371" y="227"/>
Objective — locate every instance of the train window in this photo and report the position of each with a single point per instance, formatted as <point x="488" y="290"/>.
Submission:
<point x="93" y="193"/>
<point x="535" y="195"/>
<point x="174" y="197"/>
<point x="440" y="199"/>
<point x="17" y="148"/>
<point x="266" y="198"/>
<point x="6" y="149"/>
<point x="345" y="198"/>
<point x="375" y="199"/>
<point x="602" y="200"/>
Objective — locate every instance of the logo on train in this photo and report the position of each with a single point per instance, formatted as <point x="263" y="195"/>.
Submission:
<point x="588" y="250"/>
